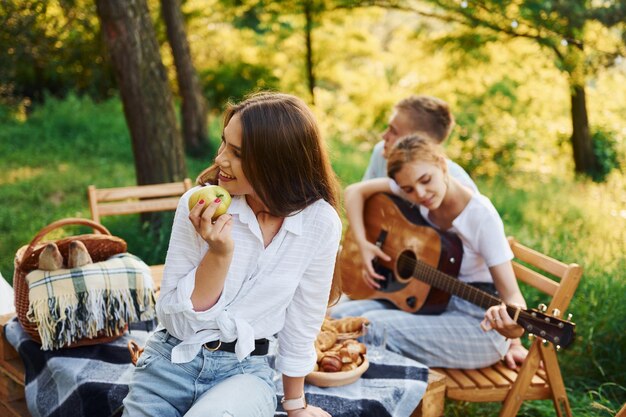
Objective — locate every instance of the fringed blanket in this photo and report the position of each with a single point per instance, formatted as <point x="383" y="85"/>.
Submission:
<point x="70" y="304"/>
<point x="92" y="381"/>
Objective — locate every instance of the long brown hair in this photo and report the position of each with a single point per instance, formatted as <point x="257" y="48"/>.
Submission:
<point x="283" y="155"/>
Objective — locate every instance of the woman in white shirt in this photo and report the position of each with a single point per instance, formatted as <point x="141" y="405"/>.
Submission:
<point x="455" y="338"/>
<point x="264" y="268"/>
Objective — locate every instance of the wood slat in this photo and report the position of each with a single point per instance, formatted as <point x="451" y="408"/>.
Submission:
<point x="157" y="277"/>
<point x="10" y="390"/>
<point x="15" y="408"/>
<point x="546" y="263"/>
<point x="495" y="377"/>
<point x="138" y="206"/>
<point x="507" y="373"/>
<point x="537" y="381"/>
<point x="14" y="369"/>
<point x="460" y="378"/>
<point x="450" y="383"/>
<point x="479" y="379"/>
<point x="541" y="373"/>
<point x="535" y="279"/>
<point x="141" y="191"/>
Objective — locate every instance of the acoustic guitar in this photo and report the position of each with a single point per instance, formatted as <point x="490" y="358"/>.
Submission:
<point x="422" y="273"/>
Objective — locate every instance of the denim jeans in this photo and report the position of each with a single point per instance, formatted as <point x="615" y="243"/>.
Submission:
<point x="212" y="384"/>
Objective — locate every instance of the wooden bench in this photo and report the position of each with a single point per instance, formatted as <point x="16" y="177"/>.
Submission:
<point x="497" y="383"/>
<point x="136" y="200"/>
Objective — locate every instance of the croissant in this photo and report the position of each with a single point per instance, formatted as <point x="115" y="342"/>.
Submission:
<point x="325" y="340"/>
<point x="348" y="366"/>
<point x="331" y="363"/>
<point x="345" y="356"/>
<point x="356" y="348"/>
<point x="336" y="347"/>
<point x="350" y="324"/>
<point x="327" y="325"/>
<point x="359" y="360"/>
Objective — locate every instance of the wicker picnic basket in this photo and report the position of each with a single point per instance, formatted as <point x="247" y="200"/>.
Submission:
<point x="100" y="246"/>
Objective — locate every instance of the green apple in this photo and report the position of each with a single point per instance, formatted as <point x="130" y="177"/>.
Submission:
<point x="209" y="193"/>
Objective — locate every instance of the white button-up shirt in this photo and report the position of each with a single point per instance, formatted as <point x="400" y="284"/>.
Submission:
<point x="279" y="289"/>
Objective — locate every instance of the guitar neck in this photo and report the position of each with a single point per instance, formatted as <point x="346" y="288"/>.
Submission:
<point x="444" y="282"/>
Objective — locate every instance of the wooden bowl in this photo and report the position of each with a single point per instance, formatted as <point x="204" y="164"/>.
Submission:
<point x="337" y="379"/>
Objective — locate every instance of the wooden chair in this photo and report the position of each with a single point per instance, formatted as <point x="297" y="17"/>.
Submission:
<point x="497" y="383"/>
<point x="137" y="199"/>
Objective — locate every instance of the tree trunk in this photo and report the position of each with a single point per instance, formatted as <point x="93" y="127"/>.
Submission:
<point x="308" y="29"/>
<point x="146" y="97"/>
<point x="584" y="159"/>
<point x="194" y="108"/>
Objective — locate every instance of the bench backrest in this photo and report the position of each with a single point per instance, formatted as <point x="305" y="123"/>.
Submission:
<point x="135" y="199"/>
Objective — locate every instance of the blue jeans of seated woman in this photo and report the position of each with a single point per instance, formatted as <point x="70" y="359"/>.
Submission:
<point x="212" y="384"/>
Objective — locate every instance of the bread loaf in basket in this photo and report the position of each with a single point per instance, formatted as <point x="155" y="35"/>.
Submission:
<point x="101" y="245"/>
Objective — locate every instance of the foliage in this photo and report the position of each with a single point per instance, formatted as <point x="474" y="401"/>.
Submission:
<point x="510" y="103"/>
<point x="231" y="81"/>
<point x="604" y="147"/>
<point x="51" y="46"/>
<point x="579" y="34"/>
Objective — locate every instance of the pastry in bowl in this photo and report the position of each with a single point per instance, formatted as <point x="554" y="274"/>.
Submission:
<point x="340" y="360"/>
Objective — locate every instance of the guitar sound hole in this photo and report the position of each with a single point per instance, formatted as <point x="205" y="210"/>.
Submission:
<point x="406" y="266"/>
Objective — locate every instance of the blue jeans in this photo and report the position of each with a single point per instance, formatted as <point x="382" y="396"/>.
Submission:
<point x="212" y="384"/>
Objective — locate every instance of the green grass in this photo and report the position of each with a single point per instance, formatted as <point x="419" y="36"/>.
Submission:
<point x="48" y="160"/>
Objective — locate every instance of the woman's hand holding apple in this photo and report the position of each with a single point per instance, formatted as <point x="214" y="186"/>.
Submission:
<point x="209" y="193"/>
<point x="217" y="233"/>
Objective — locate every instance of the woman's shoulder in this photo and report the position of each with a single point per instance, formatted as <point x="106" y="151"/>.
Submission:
<point x="320" y="207"/>
<point x="480" y="213"/>
<point x="321" y="212"/>
<point x="482" y="204"/>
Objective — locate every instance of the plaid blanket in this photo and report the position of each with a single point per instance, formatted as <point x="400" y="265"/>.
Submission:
<point x="70" y="304"/>
<point x="92" y="381"/>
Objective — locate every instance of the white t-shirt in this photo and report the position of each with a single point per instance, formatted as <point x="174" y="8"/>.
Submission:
<point x="377" y="168"/>
<point x="481" y="231"/>
<point x="282" y="289"/>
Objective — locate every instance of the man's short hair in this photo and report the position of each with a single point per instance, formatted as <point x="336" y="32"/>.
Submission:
<point x="429" y="115"/>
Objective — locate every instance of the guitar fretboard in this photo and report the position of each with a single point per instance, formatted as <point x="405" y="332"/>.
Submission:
<point x="432" y="276"/>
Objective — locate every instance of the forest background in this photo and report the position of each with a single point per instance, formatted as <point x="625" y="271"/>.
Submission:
<point x="517" y="74"/>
